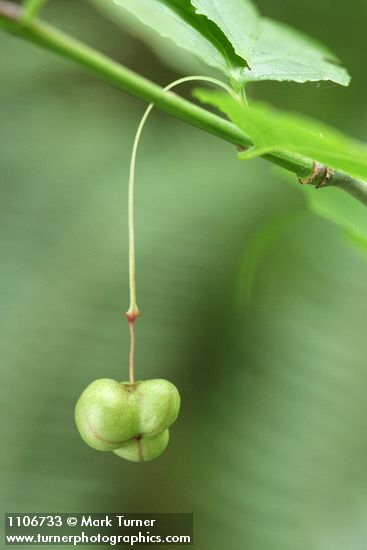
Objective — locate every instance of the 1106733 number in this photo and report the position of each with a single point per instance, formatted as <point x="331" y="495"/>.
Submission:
<point x="35" y="521"/>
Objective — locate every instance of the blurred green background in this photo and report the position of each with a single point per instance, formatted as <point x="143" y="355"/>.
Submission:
<point x="255" y="307"/>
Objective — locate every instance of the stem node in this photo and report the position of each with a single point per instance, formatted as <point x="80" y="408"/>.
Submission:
<point x="319" y="177"/>
<point x="132" y="315"/>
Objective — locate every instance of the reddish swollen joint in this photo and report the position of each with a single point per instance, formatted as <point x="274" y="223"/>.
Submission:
<point x="132" y="316"/>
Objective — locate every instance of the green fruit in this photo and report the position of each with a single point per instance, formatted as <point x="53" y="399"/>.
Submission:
<point x="145" y="448"/>
<point x="107" y="415"/>
<point x="159" y="405"/>
<point x="129" y="418"/>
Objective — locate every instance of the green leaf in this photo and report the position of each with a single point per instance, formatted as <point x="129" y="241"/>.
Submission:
<point x="231" y="37"/>
<point x="175" y="57"/>
<point x="238" y="19"/>
<point x="282" y="53"/>
<point x="272" y="50"/>
<point x="176" y="20"/>
<point x="277" y="131"/>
